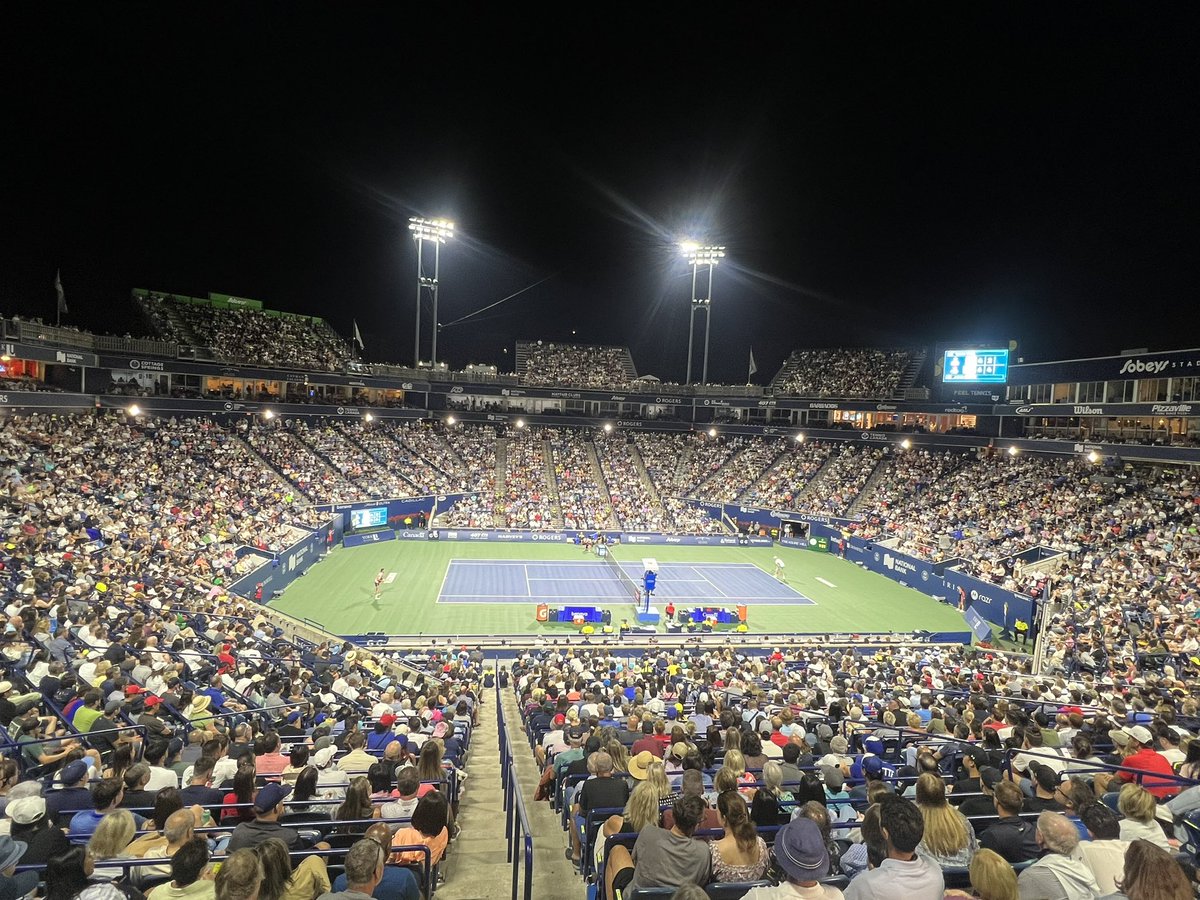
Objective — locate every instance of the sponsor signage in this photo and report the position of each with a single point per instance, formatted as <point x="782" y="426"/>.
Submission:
<point x="991" y="601"/>
<point x="1108" y="368"/>
<point x="372" y="537"/>
<point x="287" y="566"/>
<point x="1100" y="409"/>
<point x="47" y="400"/>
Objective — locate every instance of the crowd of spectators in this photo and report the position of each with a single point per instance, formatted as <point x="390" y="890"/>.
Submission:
<point x="576" y="365"/>
<point x="252" y="336"/>
<point x="895" y="773"/>
<point x="781" y="484"/>
<point x="284" y="450"/>
<point x="149" y="702"/>
<point x="633" y="502"/>
<point x="841" y="480"/>
<point x="854" y="372"/>
<point x="525" y="501"/>
<point x="742" y="470"/>
<point x="582" y="501"/>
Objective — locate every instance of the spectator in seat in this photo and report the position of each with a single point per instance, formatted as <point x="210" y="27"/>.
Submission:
<point x="188" y="863"/>
<point x="31" y="826"/>
<point x="1153" y="874"/>
<point x="398" y="882"/>
<point x="364" y="871"/>
<point x="801" y="853"/>
<point x="662" y="857"/>
<point x="949" y="840"/>
<point x="429" y="826"/>
<point x="741" y="855"/>
<point x="357" y="805"/>
<point x="1104" y="853"/>
<point x="602" y="791"/>
<point x="992" y="877"/>
<point x="1014" y="838"/>
<point x="902" y="875"/>
<point x="268" y="807"/>
<point x="1058" y="875"/>
<point x="281" y="881"/>
<point x="1137" y="806"/>
<point x="106" y="798"/>
<point x="239" y="877"/>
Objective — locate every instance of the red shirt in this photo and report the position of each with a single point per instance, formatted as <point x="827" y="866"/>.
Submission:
<point x="1149" y="761"/>
<point x="647" y="743"/>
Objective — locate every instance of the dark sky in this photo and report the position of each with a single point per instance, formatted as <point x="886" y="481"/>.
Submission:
<point x="895" y="175"/>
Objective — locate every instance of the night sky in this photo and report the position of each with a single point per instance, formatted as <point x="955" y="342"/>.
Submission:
<point x="891" y="176"/>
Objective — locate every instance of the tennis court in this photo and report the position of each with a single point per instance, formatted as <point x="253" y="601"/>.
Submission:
<point x="518" y="581"/>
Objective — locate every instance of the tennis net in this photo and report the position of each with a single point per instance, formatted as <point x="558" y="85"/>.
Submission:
<point x="632" y="586"/>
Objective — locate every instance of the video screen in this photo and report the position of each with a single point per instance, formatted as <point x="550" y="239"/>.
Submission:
<point x="975" y="367"/>
<point x="375" y="517"/>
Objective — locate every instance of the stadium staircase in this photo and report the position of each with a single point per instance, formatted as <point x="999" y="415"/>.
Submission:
<point x="328" y="462"/>
<point x="277" y="473"/>
<point x="784" y="373"/>
<point x="521" y="359"/>
<point x="501" y="466"/>
<point x="551" y="482"/>
<point x="553" y="875"/>
<point x="644" y="473"/>
<point x="628" y="366"/>
<point x="610" y="515"/>
<point x="912" y="372"/>
<point x="456" y="463"/>
<point x="751" y="493"/>
<point x="867" y="494"/>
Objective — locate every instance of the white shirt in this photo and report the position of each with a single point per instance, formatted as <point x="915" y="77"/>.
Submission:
<point x="161" y="778"/>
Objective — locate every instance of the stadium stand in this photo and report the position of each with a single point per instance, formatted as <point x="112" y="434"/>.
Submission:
<point x="574" y="365"/>
<point x="844" y="372"/>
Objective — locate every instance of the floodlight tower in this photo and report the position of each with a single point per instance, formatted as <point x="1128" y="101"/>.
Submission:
<point x="438" y="231"/>
<point x="699" y="257"/>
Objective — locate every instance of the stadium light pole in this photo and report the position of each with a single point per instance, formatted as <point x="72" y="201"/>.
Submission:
<point x="707" y="257"/>
<point x="438" y="231"/>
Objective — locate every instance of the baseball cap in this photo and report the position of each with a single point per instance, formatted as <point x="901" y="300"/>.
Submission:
<point x="679" y="750"/>
<point x="1046" y="777"/>
<point x="575" y="734"/>
<point x="26" y="810"/>
<point x="153" y="701"/>
<point x="270" y="796"/>
<point x="839" y="745"/>
<point x="387" y="720"/>
<point x="872" y="766"/>
<point x="990" y="776"/>
<point x="72" y="772"/>
<point x="113" y="705"/>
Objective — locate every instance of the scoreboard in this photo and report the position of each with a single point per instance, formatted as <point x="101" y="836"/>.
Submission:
<point x="374" y="517"/>
<point x="975" y="366"/>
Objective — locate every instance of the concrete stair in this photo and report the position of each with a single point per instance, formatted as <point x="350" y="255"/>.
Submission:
<point x="601" y="482"/>
<point x="551" y="482"/>
<point x="644" y="473"/>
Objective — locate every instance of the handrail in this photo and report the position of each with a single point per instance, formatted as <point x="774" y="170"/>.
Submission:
<point x="522" y="831"/>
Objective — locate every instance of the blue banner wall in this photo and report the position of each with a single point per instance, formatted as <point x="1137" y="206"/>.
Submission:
<point x="372" y="537"/>
<point x="698" y="540"/>
<point x="908" y="570"/>
<point x="397" y="509"/>
<point x="991" y="601"/>
<point x="285" y="568"/>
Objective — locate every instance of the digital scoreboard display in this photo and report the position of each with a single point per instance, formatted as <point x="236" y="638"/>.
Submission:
<point x="375" y="517"/>
<point x="975" y="367"/>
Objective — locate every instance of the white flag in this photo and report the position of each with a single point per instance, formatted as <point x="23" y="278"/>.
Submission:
<point x="358" y="336"/>
<point x="753" y="367"/>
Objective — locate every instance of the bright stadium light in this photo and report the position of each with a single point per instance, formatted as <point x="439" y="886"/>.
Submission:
<point x="268" y="415"/>
<point x="438" y="231"/>
<point x="134" y="410"/>
<point x="608" y="427"/>
<point x="450" y="420"/>
<point x="700" y="256"/>
<point x="906" y="443"/>
<point x="712" y="432"/>
<point x="1093" y="456"/>
<point x="520" y="423"/>
<point x="369" y="418"/>
<point x="800" y="438"/>
<point x="1013" y="451"/>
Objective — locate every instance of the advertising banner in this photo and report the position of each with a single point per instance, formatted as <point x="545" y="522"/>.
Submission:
<point x="908" y="570"/>
<point x="285" y="568"/>
<point x="45" y="400"/>
<point x="991" y="601"/>
<point x="373" y="537"/>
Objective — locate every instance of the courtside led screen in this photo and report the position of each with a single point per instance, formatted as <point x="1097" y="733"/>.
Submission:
<point x="375" y="517"/>
<point x="975" y="367"/>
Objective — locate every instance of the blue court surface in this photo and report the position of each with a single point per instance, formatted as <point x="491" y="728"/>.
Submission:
<point x="511" y="581"/>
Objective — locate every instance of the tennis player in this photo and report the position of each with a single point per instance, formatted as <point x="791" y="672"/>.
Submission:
<point x="779" y="573"/>
<point x="378" y="584"/>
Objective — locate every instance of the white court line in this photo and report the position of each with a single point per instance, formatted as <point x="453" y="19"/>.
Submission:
<point x="714" y="587"/>
<point x="826" y="583"/>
